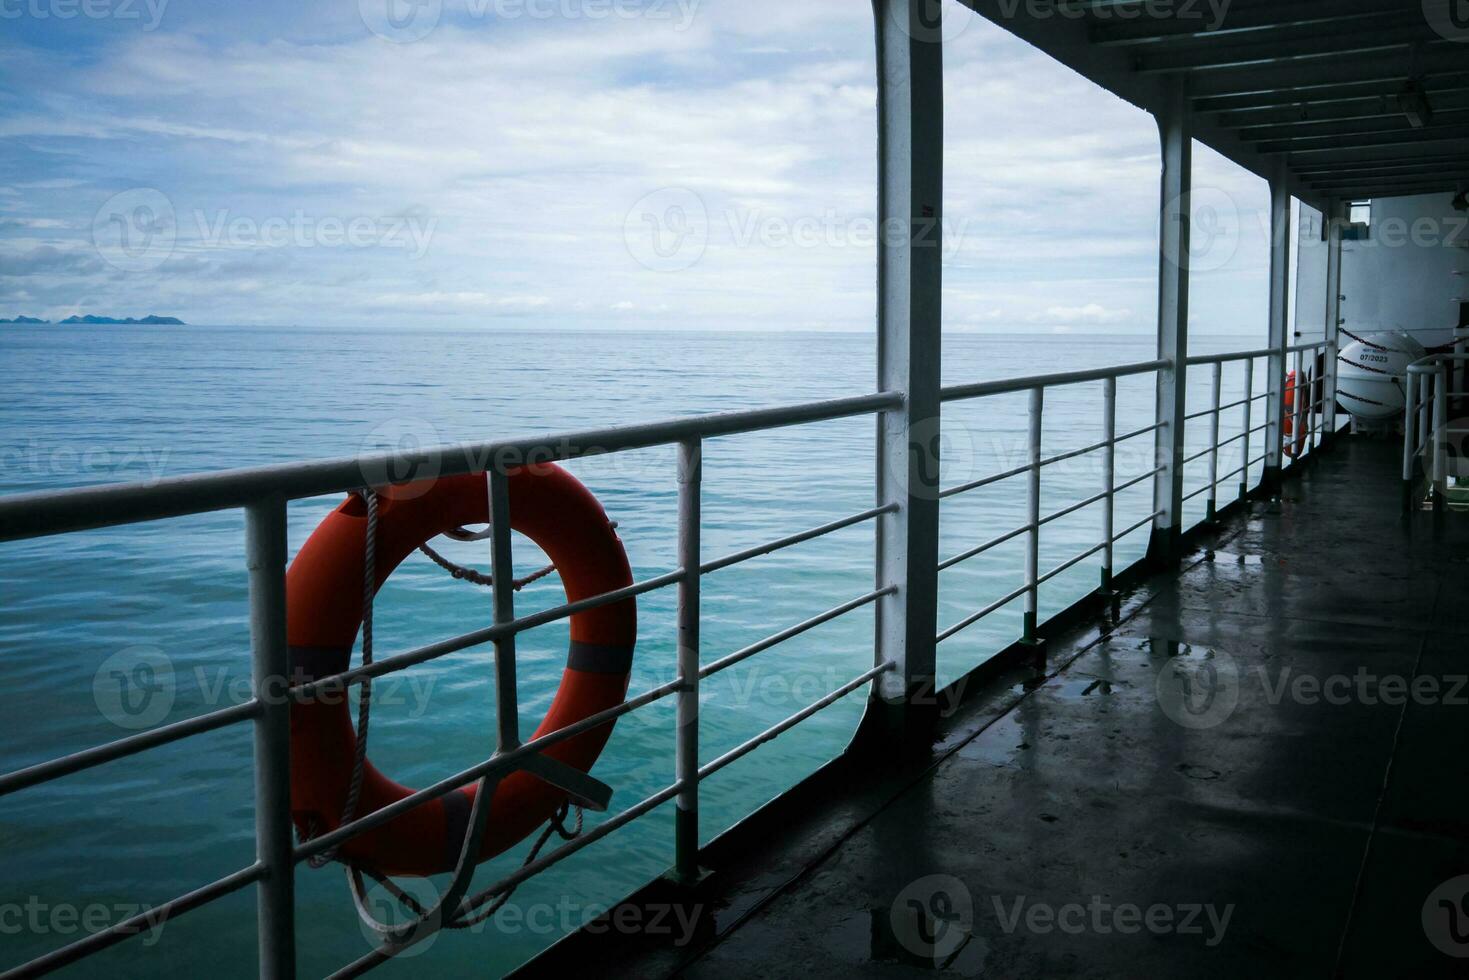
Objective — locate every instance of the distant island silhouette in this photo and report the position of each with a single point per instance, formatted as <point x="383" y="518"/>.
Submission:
<point x="89" y="320"/>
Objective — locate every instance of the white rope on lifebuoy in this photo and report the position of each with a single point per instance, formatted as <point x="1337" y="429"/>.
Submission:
<point x="473" y="576"/>
<point x="486" y="904"/>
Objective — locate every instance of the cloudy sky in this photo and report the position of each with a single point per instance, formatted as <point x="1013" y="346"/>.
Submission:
<point x="616" y="164"/>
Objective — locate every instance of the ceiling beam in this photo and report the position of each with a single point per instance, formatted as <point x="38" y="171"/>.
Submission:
<point x="1441" y="58"/>
<point x="1361" y="178"/>
<point x="1377" y="107"/>
<point x="1245" y="21"/>
<point x="1388" y="190"/>
<point x="1384" y="126"/>
<point x="1324" y="95"/>
<point x="1412" y="137"/>
<point x="1401" y="153"/>
<point x="1308" y="44"/>
<point x="1346" y="189"/>
<point x="1383" y="168"/>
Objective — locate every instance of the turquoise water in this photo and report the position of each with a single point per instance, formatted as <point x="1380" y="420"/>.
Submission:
<point x="93" y="405"/>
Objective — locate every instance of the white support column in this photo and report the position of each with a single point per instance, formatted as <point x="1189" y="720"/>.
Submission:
<point x="1279" y="328"/>
<point x="910" y="195"/>
<point x="1334" y="217"/>
<point x="1175" y="130"/>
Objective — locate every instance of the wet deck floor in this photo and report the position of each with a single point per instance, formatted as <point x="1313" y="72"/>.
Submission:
<point x="1259" y="768"/>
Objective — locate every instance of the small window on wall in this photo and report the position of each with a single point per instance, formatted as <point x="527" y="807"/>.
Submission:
<point x="1359" y="222"/>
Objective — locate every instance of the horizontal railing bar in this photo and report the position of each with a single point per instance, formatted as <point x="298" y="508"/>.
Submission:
<point x="144" y="922"/>
<point x="1233" y="439"/>
<point x="1070" y="563"/>
<point x="1198" y="455"/>
<point x="1211" y="411"/>
<point x="478" y="637"/>
<point x="122" y="748"/>
<point x="566" y="610"/>
<point x="1062" y="457"/>
<point x="791" y="632"/>
<point x="526" y="871"/>
<point x="991" y="543"/>
<point x="1009" y="385"/>
<point x="1073" y="508"/>
<point x="1001" y="539"/>
<point x="1432" y="363"/>
<point x="1204" y="489"/>
<point x="794" y="539"/>
<point x="495" y="765"/>
<point x="969" y="621"/>
<point x="1073" y="453"/>
<point x="1146" y="520"/>
<point x="1138" y="479"/>
<point x="983" y="482"/>
<point x="1234" y="473"/>
<point x="714" y="765"/>
<point x="1195" y="360"/>
<point x="1142" y="432"/>
<point x="47" y="512"/>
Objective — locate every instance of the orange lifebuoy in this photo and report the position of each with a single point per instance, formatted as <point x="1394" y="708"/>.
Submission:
<point x="324" y="613"/>
<point x="1292" y="444"/>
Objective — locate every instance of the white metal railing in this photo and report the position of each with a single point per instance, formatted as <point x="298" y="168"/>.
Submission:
<point x="1304" y="430"/>
<point x="264" y="492"/>
<point x="1032" y="470"/>
<point x="1429" y="388"/>
<point x="1305" y="438"/>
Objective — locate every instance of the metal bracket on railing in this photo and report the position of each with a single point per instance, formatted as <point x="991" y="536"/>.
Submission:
<point x="583" y="789"/>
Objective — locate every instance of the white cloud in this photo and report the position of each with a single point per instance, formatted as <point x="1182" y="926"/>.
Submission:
<point x="1093" y="313"/>
<point x="528" y="143"/>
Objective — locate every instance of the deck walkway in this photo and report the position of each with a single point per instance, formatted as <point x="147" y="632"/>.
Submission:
<point x="1309" y="800"/>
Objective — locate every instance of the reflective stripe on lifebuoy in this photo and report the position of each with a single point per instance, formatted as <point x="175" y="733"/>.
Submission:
<point x="324" y="613"/>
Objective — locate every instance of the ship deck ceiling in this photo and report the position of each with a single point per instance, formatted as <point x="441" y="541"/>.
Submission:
<point x="1325" y="825"/>
<point x="1313" y="83"/>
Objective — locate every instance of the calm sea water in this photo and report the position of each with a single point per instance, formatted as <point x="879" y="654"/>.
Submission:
<point x="94" y="405"/>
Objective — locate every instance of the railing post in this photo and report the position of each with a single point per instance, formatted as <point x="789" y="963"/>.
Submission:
<point x="910" y="196"/>
<point x="1439" y="446"/>
<point x="1333" y="318"/>
<point x="1244" y="477"/>
<point x="265" y="557"/>
<point x="1033" y="515"/>
<point x="1410" y="437"/>
<point x="1425" y="418"/>
<point x="1300" y="395"/>
<point x="686" y="762"/>
<point x="1175" y="129"/>
<point x="502" y="570"/>
<point x="1109" y="479"/>
<point x="1312" y="408"/>
<point x="1213" y="510"/>
<point x="1279" y="334"/>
